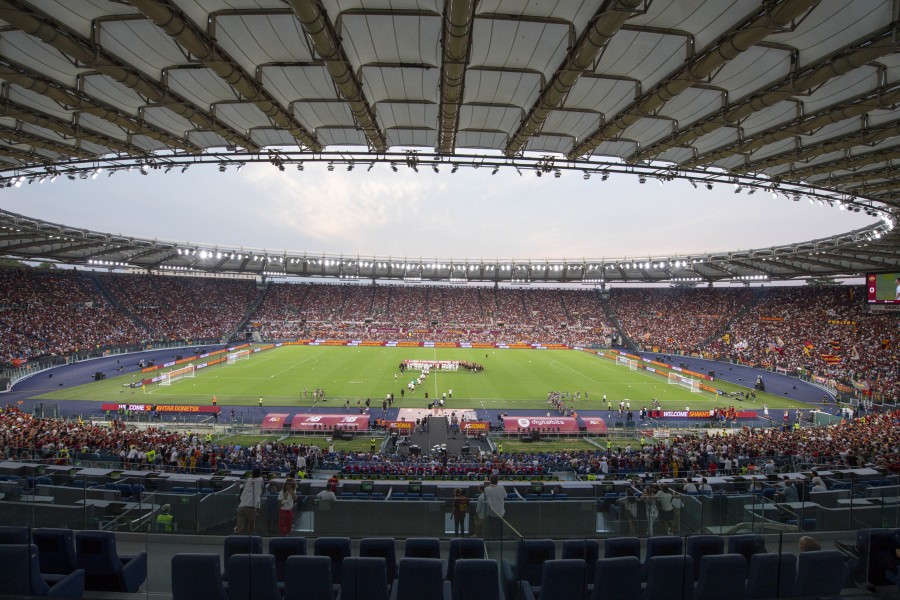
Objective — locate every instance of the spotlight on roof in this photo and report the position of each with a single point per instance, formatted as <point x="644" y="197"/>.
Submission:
<point x="605" y="176"/>
<point x="435" y="169"/>
<point x="642" y="179"/>
<point x="494" y="172"/>
<point x="300" y="166"/>
<point x="709" y="185"/>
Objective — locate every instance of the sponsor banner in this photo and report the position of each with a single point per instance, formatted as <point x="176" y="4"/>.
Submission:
<point x="502" y="346"/>
<point x="171" y="363"/>
<point x="474" y="426"/>
<point x="482" y="345"/>
<point x="516" y="424"/>
<point x="708" y="388"/>
<point x="465" y="345"/>
<point x="309" y="422"/>
<point x="370" y="343"/>
<point x="409" y="344"/>
<point x="772" y="319"/>
<point x="446" y="345"/>
<point x="391" y="344"/>
<point x="695" y="414"/>
<point x="274" y="421"/>
<point x="594" y="425"/>
<point x="170" y="408"/>
<point x="428" y="344"/>
<point x="518" y="346"/>
<point x="333" y="343"/>
<point x="557" y="346"/>
<point x="403" y="426"/>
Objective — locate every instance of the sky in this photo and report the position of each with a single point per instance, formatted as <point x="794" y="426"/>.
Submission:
<point x="469" y="214"/>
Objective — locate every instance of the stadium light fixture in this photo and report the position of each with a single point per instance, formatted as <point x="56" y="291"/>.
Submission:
<point x="300" y="166"/>
<point x="642" y="179"/>
<point x="393" y="167"/>
<point x="435" y="168"/>
<point x="494" y="172"/>
<point x="604" y="176"/>
<point x="709" y="185"/>
<point x="371" y="166"/>
<point x="454" y="169"/>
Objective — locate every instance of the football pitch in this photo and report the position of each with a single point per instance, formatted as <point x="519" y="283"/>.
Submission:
<point x="512" y="379"/>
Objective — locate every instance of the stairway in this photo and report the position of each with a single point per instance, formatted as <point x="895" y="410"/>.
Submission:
<point x="262" y="291"/>
<point x="437" y="434"/>
<point x="107" y="295"/>
<point x="607" y="310"/>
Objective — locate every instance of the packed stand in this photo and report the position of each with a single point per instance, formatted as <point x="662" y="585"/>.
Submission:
<point x="45" y="312"/>
<point x="182" y="308"/>
<point x="825" y="331"/>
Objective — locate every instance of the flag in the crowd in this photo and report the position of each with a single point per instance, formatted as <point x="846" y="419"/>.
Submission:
<point x="806" y="350"/>
<point x="831" y="359"/>
<point x="854" y="353"/>
<point x="20" y="402"/>
<point x="835" y="345"/>
<point x="726" y="338"/>
<point x="885" y="344"/>
<point x="779" y="342"/>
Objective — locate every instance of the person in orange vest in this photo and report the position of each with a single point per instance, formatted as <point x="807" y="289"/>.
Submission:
<point x="214" y="400"/>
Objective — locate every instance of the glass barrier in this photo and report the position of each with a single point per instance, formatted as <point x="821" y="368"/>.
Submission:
<point x="164" y="514"/>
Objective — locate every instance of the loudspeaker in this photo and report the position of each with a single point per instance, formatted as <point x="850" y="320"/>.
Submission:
<point x="464" y="450"/>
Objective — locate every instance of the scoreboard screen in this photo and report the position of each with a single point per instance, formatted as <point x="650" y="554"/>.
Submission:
<point x="883" y="288"/>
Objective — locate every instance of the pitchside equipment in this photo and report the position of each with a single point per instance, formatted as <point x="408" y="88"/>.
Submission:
<point x="685" y="382"/>
<point x="239" y="355"/>
<point x="627" y="362"/>
<point x="177" y="375"/>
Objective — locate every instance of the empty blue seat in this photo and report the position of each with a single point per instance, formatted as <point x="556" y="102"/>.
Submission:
<point x="530" y="558"/>
<point x="560" y="580"/>
<point x="720" y="576"/>
<point x="364" y="578"/>
<point x="771" y="575"/>
<point x="398" y="496"/>
<point x="104" y="568"/>
<point x="14" y="534"/>
<point x="383" y="547"/>
<point x="587" y="550"/>
<point x="617" y="578"/>
<point x="422" y="548"/>
<point x="196" y="576"/>
<point x="252" y="576"/>
<point x="821" y="573"/>
<point x="476" y="579"/>
<point x="56" y="550"/>
<point x="335" y="548"/>
<point x="283" y="548"/>
<point x="308" y="578"/>
<point x="746" y="544"/>
<point x="241" y="544"/>
<point x="699" y="546"/>
<point x="461" y="548"/>
<point x="22" y="575"/>
<point x="662" y="545"/>
<point x="420" y="579"/>
<point x="669" y="578"/>
<point x="622" y="546"/>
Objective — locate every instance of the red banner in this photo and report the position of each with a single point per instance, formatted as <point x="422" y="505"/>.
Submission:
<point x="563" y="424"/>
<point x="594" y="425"/>
<point x="274" y="421"/>
<point x="311" y="422"/>
<point x="161" y="407"/>
<point x="696" y="414"/>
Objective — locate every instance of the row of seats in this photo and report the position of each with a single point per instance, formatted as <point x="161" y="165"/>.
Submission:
<point x="770" y="575"/>
<point x="338" y="549"/>
<point x="311" y="578"/>
<point x="51" y="561"/>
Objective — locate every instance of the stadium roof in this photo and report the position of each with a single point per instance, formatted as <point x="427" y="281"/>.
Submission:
<point x="794" y="97"/>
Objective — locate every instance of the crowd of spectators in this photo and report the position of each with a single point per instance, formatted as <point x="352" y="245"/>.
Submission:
<point x="56" y="313"/>
<point x="821" y="331"/>
<point x="25" y="437"/>
<point x="677" y="320"/>
<point x="182" y="308"/>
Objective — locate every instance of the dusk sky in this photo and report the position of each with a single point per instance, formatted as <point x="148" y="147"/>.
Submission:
<point x="406" y="214"/>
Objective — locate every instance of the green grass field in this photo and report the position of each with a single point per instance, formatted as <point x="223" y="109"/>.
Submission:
<point x="511" y="379"/>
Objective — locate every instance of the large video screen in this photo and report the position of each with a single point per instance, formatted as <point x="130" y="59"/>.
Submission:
<point x="883" y="288"/>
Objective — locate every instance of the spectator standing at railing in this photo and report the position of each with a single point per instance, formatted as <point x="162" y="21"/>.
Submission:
<point x="249" y="503"/>
<point x="286" y="499"/>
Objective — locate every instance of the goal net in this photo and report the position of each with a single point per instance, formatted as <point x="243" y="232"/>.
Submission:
<point x="627" y="362"/>
<point x="233" y="357"/>
<point x="685" y="382"/>
<point x="177" y="375"/>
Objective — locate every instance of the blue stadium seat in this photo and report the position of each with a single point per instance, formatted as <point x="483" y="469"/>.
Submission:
<point x="476" y="579"/>
<point x="252" y="576"/>
<point x="821" y="573"/>
<point x="771" y="575"/>
<point x="422" y="548"/>
<point x="364" y="578"/>
<point x="104" y="568"/>
<point x="560" y="580"/>
<point x="308" y="578"/>
<point x="196" y="576"/>
<point x="22" y="575"/>
<point x="383" y="547"/>
<point x="617" y="579"/>
<point x="283" y="548"/>
<point x="720" y="576"/>
<point x="420" y="578"/>
<point x="335" y="548"/>
<point x="669" y="578"/>
<point x="622" y="546"/>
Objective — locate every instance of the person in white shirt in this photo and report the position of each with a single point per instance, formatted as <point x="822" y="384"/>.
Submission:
<point x="249" y="503"/>
<point x="705" y="488"/>
<point x="491" y="504"/>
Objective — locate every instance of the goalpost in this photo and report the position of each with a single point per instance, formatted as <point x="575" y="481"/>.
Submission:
<point x="177" y="375"/>
<point x="233" y="357"/>
<point x="627" y="362"/>
<point x="685" y="382"/>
